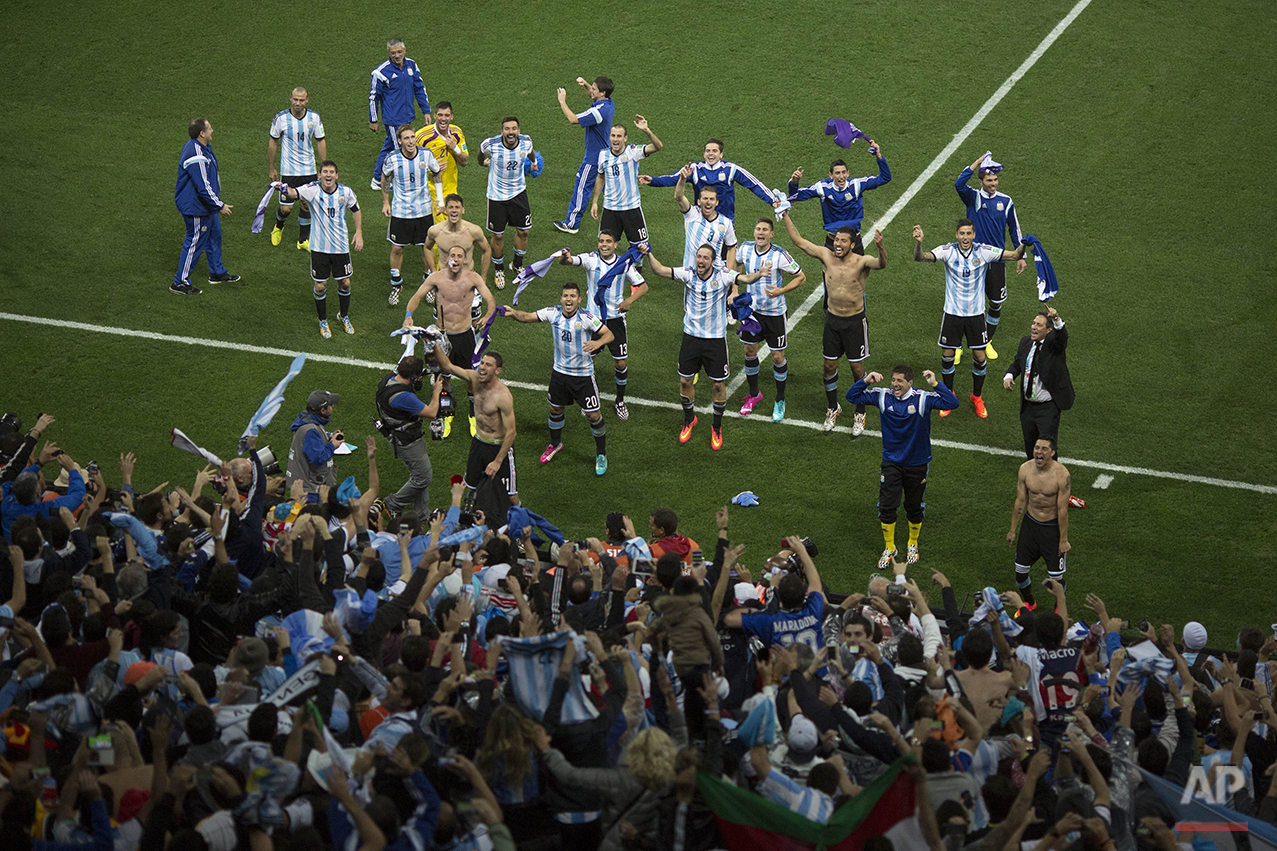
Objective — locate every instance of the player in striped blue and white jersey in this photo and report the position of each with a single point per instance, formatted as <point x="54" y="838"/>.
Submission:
<point x="504" y="157"/>
<point x="617" y="182"/>
<point x="330" y="242"/>
<point x="295" y="132"/>
<point x="408" y="171"/>
<point x="704" y="345"/>
<point x="965" y="264"/>
<point x="769" y="307"/>
<point x="578" y="335"/>
<point x="703" y="224"/>
<point x="596" y="264"/>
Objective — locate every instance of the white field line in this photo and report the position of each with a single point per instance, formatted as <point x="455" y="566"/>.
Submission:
<point x="816" y="294"/>
<point x="631" y="400"/>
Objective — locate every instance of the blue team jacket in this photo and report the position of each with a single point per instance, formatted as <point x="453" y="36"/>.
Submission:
<point x="197" y="183"/>
<point x="394" y="89"/>
<point x="905" y="423"/>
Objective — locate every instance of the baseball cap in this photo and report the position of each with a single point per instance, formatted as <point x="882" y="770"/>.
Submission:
<point x="1194" y="636"/>
<point x="319" y="398"/>
<point x="803" y="735"/>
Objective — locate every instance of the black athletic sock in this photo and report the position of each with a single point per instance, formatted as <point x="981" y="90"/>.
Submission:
<point x="751" y="374"/>
<point x="831" y="391"/>
<point x="396" y="279"/>
<point x="780" y="372"/>
<point x="622" y="377"/>
<point x="518" y="260"/>
<point x="499" y="262"/>
<point x="321" y="304"/>
<point x="1024" y="583"/>
<point x="556" y="429"/>
<point x="303" y="224"/>
<point x="343" y="301"/>
<point x="280" y="217"/>
<point x="689" y="412"/>
<point x="860" y="409"/>
<point x="992" y="316"/>
<point x="719" y="407"/>
<point x="600" y="436"/>
<point x="946" y="371"/>
<point x="977" y="379"/>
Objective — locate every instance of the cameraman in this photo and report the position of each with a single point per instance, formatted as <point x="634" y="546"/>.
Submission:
<point x="310" y="457"/>
<point x="401" y="414"/>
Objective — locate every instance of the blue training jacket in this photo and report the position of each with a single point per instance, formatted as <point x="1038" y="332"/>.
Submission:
<point x="905" y="423"/>
<point x="394" y="89"/>
<point x="197" y="182"/>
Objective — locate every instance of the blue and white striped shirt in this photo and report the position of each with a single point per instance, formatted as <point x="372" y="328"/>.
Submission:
<point x="297" y="137"/>
<point x="410" y="179"/>
<point x="595" y="267"/>
<point x="811" y="804"/>
<point x="571" y="333"/>
<point x="750" y="261"/>
<point x="620" y="177"/>
<point x="698" y="231"/>
<point x="328" y="213"/>
<point x="705" y="302"/>
<point x="964" y="276"/>
<point x="505" y="170"/>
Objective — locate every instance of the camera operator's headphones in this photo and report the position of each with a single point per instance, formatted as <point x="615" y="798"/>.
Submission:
<point x="416" y="373"/>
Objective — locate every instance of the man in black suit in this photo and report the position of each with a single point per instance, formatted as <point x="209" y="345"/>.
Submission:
<point x="1046" y="388"/>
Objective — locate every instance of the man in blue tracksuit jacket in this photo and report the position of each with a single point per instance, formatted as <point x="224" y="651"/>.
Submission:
<point x="906" y="447"/>
<point x="196" y="196"/>
<point x="396" y="83"/>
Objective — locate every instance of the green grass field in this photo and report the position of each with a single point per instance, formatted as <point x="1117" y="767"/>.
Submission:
<point x="1134" y="148"/>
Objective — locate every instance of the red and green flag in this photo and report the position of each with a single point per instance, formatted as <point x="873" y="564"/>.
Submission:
<point x="750" y="822"/>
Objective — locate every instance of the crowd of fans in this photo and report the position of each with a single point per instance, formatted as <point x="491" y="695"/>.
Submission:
<point x="234" y="665"/>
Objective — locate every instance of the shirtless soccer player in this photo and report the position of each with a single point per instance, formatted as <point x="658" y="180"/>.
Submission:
<point x="846" y="324"/>
<point x="454" y="230"/>
<point x="455" y="287"/>
<point x="492" y="447"/>
<point x="1043" y="489"/>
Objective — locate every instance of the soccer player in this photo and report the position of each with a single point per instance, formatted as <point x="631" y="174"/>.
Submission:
<point x="196" y="196"/>
<point x="716" y="172"/>
<point x="597" y="122"/>
<point x="769" y="309"/>
<point x="596" y="264"/>
<point x="297" y="132"/>
<point x="492" y="446"/>
<point x="906" y="448"/>
<point x="993" y="214"/>
<point x="455" y="230"/>
<point x="330" y="242"/>
<point x="408" y="171"/>
<point x="578" y="334"/>
<point x="703" y="224"/>
<point x="617" y="182"/>
<point x="704" y="331"/>
<point x="1042" y="490"/>
<point x="842" y="201"/>
<point x="448" y="144"/>
<point x="504" y="156"/>
<point x="846" y="321"/>
<point x="396" y="83"/>
<point x="455" y="286"/>
<point x="965" y="264"/>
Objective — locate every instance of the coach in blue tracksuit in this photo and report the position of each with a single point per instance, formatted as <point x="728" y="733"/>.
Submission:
<point x="597" y="124"/>
<point x="396" y="83"/>
<point x="906" y="447"/>
<point x="196" y="196"/>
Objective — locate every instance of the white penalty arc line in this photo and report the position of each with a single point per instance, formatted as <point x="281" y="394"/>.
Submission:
<point x="648" y="403"/>
<point x="941" y="158"/>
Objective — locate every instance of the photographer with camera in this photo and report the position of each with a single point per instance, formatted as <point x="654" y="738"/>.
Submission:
<point x="310" y="457"/>
<point x="400" y="414"/>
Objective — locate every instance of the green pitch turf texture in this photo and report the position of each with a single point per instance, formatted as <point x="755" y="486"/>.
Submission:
<point x="1135" y="151"/>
